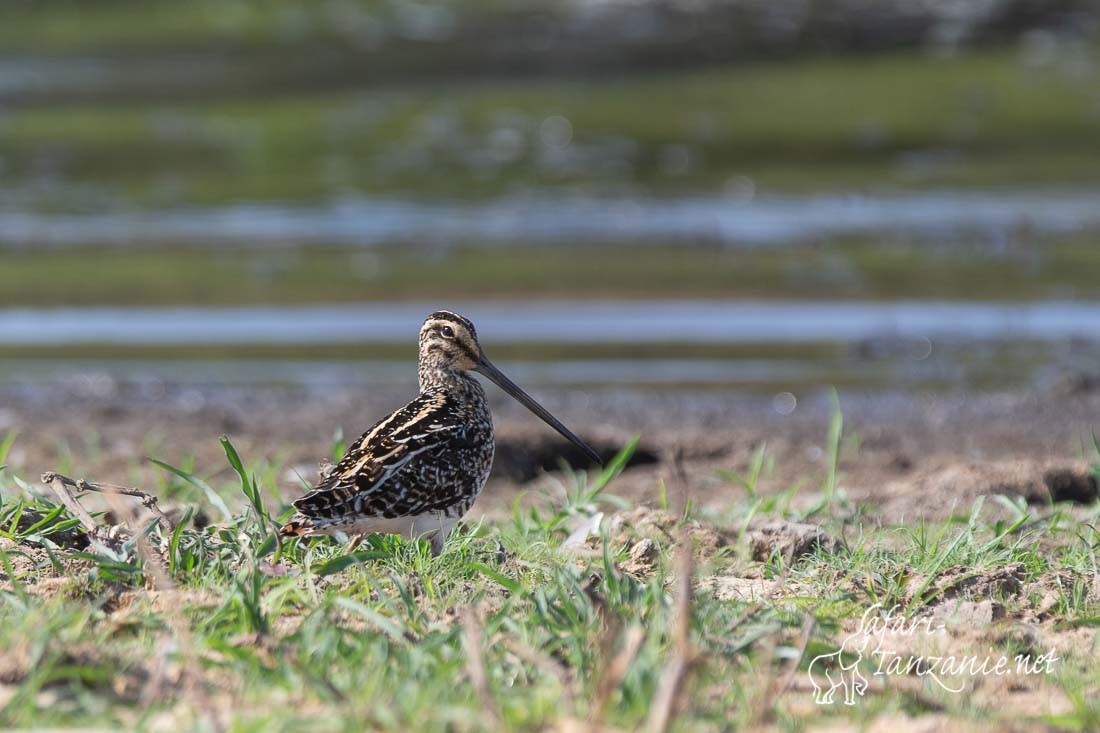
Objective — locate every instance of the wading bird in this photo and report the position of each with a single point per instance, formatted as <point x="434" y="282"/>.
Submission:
<point x="416" y="472"/>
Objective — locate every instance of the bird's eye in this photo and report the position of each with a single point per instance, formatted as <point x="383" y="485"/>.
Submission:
<point x="447" y="332"/>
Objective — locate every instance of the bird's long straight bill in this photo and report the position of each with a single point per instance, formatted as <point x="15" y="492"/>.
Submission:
<point x="486" y="367"/>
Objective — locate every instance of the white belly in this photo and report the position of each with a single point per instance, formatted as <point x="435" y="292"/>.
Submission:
<point x="433" y="527"/>
<point x="410" y="527"/>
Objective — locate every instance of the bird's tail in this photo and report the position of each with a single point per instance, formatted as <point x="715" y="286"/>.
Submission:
<point x="298" y="526"/>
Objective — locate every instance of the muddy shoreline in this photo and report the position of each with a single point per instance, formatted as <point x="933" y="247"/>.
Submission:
<point x="903" y="456"/>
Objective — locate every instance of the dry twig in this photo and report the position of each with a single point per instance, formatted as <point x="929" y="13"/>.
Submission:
<point x="147" y="500"/>
<point x="58" y="484"/>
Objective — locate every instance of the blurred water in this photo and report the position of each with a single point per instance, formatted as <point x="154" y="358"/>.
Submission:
<point x="633" y="322"/>
<point x="106" y="374"/>
<point x="743" y="219"/>
<point x="881" y="366"/>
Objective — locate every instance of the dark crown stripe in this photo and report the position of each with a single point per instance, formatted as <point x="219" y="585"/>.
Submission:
<point x="451" y="316"/>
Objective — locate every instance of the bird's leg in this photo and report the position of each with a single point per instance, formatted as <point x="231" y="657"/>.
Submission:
<point x="437" y="539"/>
<point x="435" y="528"/>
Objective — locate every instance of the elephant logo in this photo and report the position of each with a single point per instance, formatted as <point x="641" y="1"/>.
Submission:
<point x="840" y="669"/>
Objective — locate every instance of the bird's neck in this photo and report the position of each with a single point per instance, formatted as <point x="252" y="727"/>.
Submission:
<point x="435" y="377"/>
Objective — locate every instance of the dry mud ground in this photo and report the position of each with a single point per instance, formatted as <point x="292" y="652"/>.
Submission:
<point x="909" y="457"/>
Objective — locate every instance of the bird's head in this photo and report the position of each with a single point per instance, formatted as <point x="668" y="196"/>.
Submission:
<point x="448" y="341"/>
<point x="448" y="344"/>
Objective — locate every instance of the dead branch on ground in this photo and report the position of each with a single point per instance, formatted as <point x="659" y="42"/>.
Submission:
<point x="52" y="479"/>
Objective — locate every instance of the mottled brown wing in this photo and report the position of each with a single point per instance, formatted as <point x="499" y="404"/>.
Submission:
<point x="395" y="469"/>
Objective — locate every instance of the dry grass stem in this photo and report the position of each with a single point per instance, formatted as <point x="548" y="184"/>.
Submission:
<point x="472" y="636"/>
<point x="782" y="684"/>
<point x="683" y="654"/>
<point x="550" y="666"/>
<point x="615" y="672"/>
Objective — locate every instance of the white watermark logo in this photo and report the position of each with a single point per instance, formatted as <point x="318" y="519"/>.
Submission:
<point x="868" y="647"/>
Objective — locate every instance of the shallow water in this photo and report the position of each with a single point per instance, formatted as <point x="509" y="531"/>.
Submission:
<point x="886" y="347"/>
<point x="99" y="374"/>
<point x="882" y="367"/>
<point x="561" y="322"/>
<point x="744" y="219"/>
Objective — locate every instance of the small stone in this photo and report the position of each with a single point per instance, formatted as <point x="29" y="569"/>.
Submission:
<point x="643" y="557"/>
<point x="791" y="539"/>
<point x="644" y="551"/>
<point x="732" y="588"/>
<point x="968" y="614"/>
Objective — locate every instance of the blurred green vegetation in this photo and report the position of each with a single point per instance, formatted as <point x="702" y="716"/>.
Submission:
<point x="126" y="26"/>
<point x="856" y="268"/>
<point x="903" y="120"/>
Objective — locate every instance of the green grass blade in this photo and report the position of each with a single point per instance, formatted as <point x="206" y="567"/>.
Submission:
<point x="503" y="580"/>
<point x="343" y="562"/>
<point x="613" y="468"/>
<point x="211" y="495"/>
<point x="5" y="446"/>
<point x="386" y="625"/>
<point x="248" y="486"/>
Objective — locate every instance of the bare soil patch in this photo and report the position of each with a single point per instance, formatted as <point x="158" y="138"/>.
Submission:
<point x="910" y="456"/>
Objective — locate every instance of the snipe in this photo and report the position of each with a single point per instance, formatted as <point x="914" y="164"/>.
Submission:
<point x="416" y="472"/>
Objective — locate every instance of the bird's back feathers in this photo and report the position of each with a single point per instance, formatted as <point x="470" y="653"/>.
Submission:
<point x="430" y="456"/>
